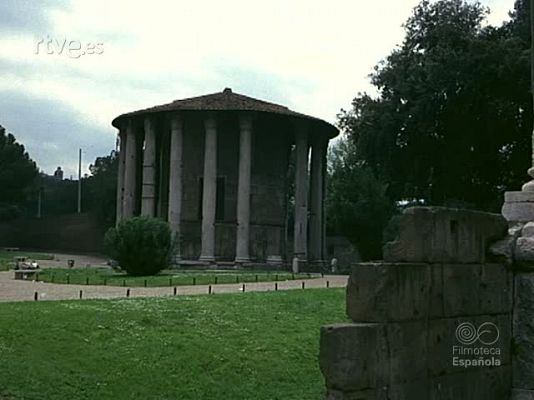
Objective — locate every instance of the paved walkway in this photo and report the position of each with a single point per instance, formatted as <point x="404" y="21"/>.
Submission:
<point x="12" y="290"/>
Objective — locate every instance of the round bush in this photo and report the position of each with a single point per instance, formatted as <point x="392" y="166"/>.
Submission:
<point x="141" y="245"/>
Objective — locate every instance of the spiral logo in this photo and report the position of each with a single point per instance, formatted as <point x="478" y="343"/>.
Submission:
<point x="487" y="333"/>
<point x="466" y="333"/>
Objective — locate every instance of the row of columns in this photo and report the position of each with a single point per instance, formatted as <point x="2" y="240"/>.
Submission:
<point x="303" y="194"/>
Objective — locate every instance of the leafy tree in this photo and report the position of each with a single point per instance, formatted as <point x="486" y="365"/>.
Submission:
<point x="357" y="204"/>
<point x="452" y="120"/>
<point x="101" y="188"/>
<point x="17" y="173"/>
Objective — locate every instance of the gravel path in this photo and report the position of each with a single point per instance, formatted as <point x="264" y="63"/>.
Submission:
<point x="16" y="290"/>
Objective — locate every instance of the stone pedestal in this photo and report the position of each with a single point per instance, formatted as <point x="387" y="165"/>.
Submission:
<point x="518" y="206"/>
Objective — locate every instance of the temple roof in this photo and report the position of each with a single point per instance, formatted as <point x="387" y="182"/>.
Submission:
<point x="225" y="101"/>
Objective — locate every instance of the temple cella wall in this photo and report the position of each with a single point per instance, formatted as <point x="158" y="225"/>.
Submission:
<point x="434" y="319"/>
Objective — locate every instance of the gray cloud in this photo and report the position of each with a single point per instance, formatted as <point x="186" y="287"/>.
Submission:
<point x="28" y="15"/>
<point x="52" y="131"/>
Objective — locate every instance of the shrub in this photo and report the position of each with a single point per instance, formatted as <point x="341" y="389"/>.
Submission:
<point x="141" y="245"/>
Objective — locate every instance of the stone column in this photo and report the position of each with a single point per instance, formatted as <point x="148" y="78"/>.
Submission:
<point x="148" y="204"/>
<point x="175" y="180"/>
<point x="301" y="195"/>
<point x="120" y="178"/>
<point x="243" y="190"/>
<point x="130" y="168"/>
<point x="209" y="191"/>
<point x="318" y="166"/>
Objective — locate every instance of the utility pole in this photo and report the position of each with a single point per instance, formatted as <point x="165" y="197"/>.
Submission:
<point x="39" y="199"/>
<point x="80" y="181"/>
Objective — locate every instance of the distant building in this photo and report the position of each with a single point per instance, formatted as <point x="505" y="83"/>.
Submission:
<point x="217" y="168"/>
<point x="58" y="174"/>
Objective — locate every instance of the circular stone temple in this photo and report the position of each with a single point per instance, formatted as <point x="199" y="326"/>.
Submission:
<point x="231" y="174"/>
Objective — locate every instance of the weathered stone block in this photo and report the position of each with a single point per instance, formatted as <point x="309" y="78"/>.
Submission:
<point x="518" y="197"/>
<point x="521" y="394"/>
<point x="388" y="292"/>
<point x="348" y="356"/>
<point x="333" y="394"/>
<point x="476" y="289"/>
<point x="524" y="249"/>
<point x="418" y="389"/>
<point x="528" y="229"/>
<point x="444" y="344"/>
<point x="518" y="206"/>
<point x="487" y="384"/>
<point x="523" y="328"/>
<point x="370" y="356"/>
<point x="405" y="353"/>
<point x="437" y="234"/>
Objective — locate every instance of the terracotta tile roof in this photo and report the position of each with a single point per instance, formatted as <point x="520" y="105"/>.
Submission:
<point x="225" y="101"/>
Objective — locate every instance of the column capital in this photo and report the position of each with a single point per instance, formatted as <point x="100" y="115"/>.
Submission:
<point x="210" y="122"/>
<point x="245" y="121"/>
<point x="148" y="123"/>
<point x="301" y="127"/>
<point x="176" y="122"/>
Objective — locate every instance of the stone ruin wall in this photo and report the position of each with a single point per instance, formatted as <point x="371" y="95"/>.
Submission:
<point x="405" y="313"/>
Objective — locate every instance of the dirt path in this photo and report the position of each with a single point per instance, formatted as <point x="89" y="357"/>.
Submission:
<point x="12" y="290"/>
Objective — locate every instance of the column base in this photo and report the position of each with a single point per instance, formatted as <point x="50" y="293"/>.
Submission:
<point x="298" y="264"/>
<point x="275" y="260"/>
<point x="175" y="260"/>
<point x="207" y="259"/>
<point x="242" y="260"/>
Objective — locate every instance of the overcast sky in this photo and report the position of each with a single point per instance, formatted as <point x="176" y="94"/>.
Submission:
<point x="312" y="56"/>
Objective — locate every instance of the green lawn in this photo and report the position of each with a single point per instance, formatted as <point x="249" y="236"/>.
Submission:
<point x="7" y="258"/>
<point x="106" y="276"/>
<point x="245" y="346"/>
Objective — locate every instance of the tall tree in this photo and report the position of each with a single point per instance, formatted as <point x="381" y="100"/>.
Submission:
<point x="101" y="188"/>
<point x="17" y="173"/>
<point x="451" y="123"/>
<point x="357" y="205"/>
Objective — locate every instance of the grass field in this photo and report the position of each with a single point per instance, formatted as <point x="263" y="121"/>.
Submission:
<point x="249" y="346"/>
<point x="106" y="276"/>
<point x="7" y="258"/>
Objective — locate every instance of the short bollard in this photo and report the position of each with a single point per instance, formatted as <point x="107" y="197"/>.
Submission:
<point x="243" y="288"/>
<point x="127" y="292"/>
<point x="145" y="282"/>
<point x="81" y="294"/>
<point x="276" y="286"/>
<point x="303" y="284"/>
<point x="209" y="289"/>
<point x="327" y="284"/>
<point x="175" y="290"/>
<point x="36" y="296"/>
